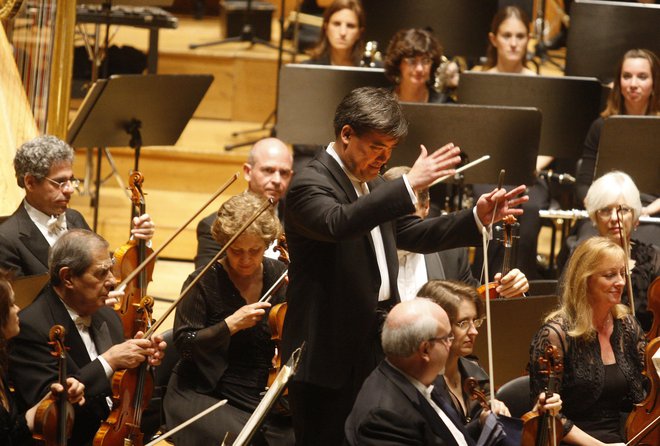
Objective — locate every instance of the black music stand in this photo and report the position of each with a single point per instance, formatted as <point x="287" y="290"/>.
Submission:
<point x="247" y="33"/>
<point x="601" y="32"/>
<point x="136" y="110"/>
<point x="461" y="26"/>
<point x="630" y="144"/>
<point x="510" y="135"/>
<point x="568" y="104"/>
<point x="305" y="110"/>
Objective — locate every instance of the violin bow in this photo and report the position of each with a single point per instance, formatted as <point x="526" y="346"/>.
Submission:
<point x="625" y="244"/>
<point x="136" y="271"/>
<point x="266" y="204"/>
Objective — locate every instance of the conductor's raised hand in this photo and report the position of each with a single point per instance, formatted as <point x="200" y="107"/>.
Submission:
<point x="428" y="168"/>
<point x="247" y="316"/>
<point x="500" y="202"/>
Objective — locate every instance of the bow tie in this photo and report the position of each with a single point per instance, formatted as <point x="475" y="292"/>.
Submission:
<point x="57" y="224"/>
<point x="83" y="321"/>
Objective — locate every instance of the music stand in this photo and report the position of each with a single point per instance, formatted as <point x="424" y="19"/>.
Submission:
<point x="568" y="105"/>
<point x="306" y="110"/>
<point x="461" y="26"/>
<point x="510" y="135"/>
<point x="630" y="144"/>
<point x="601" y="32"/>
<point x="136" y="110"/>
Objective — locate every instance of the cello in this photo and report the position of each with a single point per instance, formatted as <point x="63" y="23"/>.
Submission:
<point x="53" y="421"/>
<point x="545" y="429"/>
<point x="642" y="423"/>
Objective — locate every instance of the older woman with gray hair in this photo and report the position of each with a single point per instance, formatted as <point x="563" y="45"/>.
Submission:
<point x="614" y="207"/>
<point x="221" y="331"/>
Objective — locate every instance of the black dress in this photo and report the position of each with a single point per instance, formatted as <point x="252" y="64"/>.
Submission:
<point x="595" y="396"/>
<point x="216" y="365"/>
<point x="13" y="427"/>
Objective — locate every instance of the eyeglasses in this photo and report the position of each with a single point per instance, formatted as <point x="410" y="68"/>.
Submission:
<point x="414" y="61"/>
<point x="74" y="182"/>
<point x="465" y="323"/>
<point x="606" y="213"/>
<point x="447" y="339"/>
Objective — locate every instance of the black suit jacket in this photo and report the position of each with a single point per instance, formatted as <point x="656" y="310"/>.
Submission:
<point x="389" y="410"/>
<point x="450" y="264"/>
<point x="23" y="248"/>
<point x="334" y="276"/>
<point x="32" y="368"/>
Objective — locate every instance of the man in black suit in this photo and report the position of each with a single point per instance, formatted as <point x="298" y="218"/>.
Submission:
<point x="268" y="171"/>
<point x="343" y="224"/>
<point x="81" y="281"/>
<point x="44" y="168"/>
<point x="395" y="405"/>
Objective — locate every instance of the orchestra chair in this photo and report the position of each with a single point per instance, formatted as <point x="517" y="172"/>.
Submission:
<point x="515" y="394"/>
<point x="161" y="378"/>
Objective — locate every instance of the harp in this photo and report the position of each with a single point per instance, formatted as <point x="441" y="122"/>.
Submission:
<point x="36" y="62"/>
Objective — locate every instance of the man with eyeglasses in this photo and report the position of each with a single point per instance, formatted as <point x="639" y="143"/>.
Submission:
<point x="44" y="168"/>
<point x="396" y="404"/>
<point x="268" y="172"/>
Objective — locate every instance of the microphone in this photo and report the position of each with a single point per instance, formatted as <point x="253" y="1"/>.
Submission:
<point x="561" y="178"/>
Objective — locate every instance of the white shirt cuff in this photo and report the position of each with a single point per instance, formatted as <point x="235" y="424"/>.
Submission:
<point x="106" y="366"/>
<point x="480" y="225"/>
<point x="411" y="192"/>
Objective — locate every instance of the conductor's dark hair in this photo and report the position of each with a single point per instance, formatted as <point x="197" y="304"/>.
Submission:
<point x="369" y="109"/>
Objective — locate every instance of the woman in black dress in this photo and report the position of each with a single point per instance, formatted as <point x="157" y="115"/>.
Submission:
<point x="600" y="344"/>
<point x="221" y="332"/>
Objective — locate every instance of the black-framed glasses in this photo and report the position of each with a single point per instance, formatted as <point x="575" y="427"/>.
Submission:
<point x="74" y="182"/>
<point x="465" y="323"/>
<point x="446" y="339"/>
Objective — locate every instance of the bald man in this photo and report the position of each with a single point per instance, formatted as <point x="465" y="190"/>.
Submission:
<point x="395" y="405"/>
<point x="268" y="171"/>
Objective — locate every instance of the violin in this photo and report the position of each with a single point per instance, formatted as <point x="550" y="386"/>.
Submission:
<point x="509" y="233"/>
<point x="53" y="421"/>
<point x="545" y="429"/>
<point x="642" y="423"/>
<point x="136" y="308"/>
<point x="131" y="388"/>
<point x="475" y="392"/>
<point x="653" y="304"/>
<point x="276" y="318"/>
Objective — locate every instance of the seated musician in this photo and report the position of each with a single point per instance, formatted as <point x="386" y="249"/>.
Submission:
<point x="412" y="58"/>
<point x="15" y="425"/>
<point x="452" y="264"/>
<point x="605" y="195"/>
<point x="268" y="172"/>
<point x="466" y="314"/>
<point x="44" y="168"/>
<point x="635" y="92"/>
<point x="396" y="404"/>
<point x="81" y="281"/>
<point x="600" y="344"/>
<point x="221" y="331"/>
